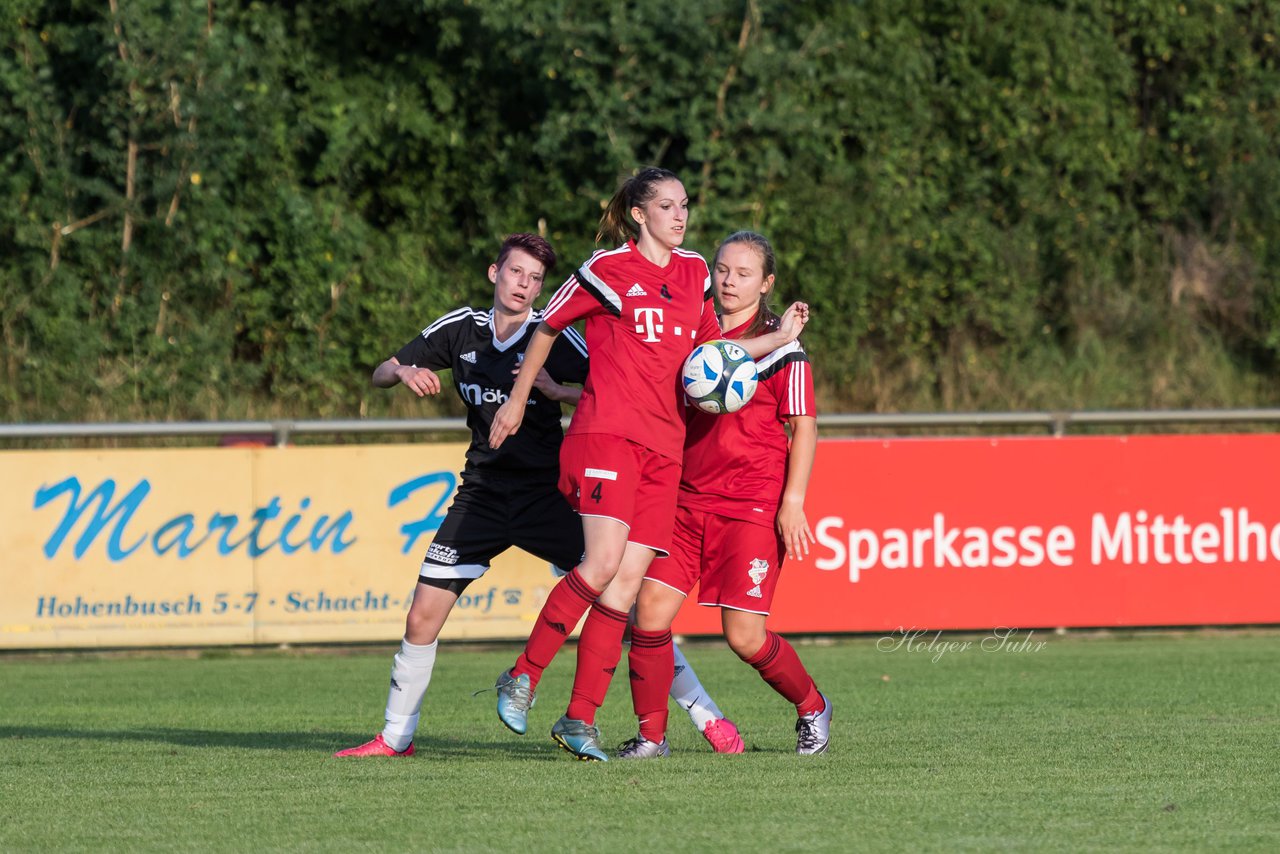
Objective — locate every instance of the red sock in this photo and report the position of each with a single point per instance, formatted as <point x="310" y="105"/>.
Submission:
<point x="599" y="648"/>
<point x="779" y="665"/>
<point x="653" y="667"/>
<point x="566" y="604"/>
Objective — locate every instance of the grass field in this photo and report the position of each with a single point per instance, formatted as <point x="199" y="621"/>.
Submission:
<point x="1147" y="741"/>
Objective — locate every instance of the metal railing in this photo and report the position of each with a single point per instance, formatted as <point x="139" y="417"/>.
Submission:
<point x="280" y="431"/>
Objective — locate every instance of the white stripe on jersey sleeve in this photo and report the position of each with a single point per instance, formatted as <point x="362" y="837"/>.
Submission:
<point x="796" y="383"/>
<point x="562" y="295"/>
<point x="458" y="314"/>
<point x="798" y="389"/>
<point x="706" y="280"/>
<point x="606" y="292"/>
<point x="575" y="338"/>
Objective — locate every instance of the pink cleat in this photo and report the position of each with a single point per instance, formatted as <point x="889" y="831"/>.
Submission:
<point x="723" y="736"/>
<point x="377" y="747"/>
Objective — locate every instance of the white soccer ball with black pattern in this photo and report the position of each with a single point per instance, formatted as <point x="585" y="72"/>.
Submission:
<point x="719" y="377"/>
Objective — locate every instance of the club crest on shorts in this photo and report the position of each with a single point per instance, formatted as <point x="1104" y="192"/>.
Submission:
<point x="757" y="571"/>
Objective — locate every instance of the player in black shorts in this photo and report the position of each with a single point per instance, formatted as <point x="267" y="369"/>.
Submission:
<point x="508" y="496"/>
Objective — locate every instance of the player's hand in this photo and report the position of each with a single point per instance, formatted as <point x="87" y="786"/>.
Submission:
<point x="506" y="421"/>
<point x="420" y="381"/>
<point x="543" y="383"/>
<point x="793" y="320"/>
<point x="794" y="529"/>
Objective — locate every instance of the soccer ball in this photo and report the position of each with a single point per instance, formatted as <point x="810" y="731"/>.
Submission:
<point x="719" y="377"/>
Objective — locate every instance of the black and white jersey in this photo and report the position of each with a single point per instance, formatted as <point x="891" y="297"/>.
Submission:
<point x="484" y="372"/>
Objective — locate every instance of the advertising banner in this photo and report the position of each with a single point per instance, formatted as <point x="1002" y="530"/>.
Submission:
<point x="119" y="548"/>
<point x="1035" y="532"/>
<point x="236" y="546"/>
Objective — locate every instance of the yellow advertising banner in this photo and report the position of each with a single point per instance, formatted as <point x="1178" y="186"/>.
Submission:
<point x="126" y="548"/>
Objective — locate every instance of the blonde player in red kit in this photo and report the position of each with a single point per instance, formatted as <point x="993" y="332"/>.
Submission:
<point x="741" y="511"/>
<point x="645" y="304"/>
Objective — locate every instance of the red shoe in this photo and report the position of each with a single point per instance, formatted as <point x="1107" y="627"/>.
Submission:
<point x="377" y="747"/>
<point x="723" y="736"/>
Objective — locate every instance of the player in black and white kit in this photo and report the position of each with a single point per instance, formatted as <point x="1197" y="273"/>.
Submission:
<point x="508" y="496"/>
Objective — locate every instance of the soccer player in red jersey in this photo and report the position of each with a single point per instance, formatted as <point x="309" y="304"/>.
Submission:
<point x="741" y="511"/>
<point x="645" y="305"/>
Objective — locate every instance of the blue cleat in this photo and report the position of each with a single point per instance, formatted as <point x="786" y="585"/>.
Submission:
<point x="515" y="699"/>
<point x="579" y="738"/>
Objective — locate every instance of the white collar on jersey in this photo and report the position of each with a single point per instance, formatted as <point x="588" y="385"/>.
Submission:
<point x="503" y="346"/>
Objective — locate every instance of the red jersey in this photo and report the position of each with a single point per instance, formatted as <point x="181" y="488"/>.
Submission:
<point x="735" y="465"/>
<point x="642" y="321"/>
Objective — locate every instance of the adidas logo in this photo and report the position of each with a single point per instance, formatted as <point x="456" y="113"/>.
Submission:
<point x="679" y="669"/>
<point x="635" y="677"/>
<point x="396" y="685"/>
<point x="469" y="357"/>
<point x="558" y="628"/>
<point x="611" y="670"/>
<point x="637" y="291"/>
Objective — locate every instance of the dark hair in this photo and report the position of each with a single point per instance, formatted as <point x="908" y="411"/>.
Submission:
<point x="765" y="320"/>
<point x="616" y="225"/>
<point x="536" y="246"/>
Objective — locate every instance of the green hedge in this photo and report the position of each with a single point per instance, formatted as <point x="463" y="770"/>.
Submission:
<point x="994" y="204"/>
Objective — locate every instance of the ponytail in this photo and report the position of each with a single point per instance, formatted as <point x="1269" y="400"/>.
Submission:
<point x="616" y="225"/>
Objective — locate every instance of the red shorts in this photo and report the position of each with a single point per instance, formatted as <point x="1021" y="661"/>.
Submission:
<point x="737" y="563"/>
<point x="616" y="478"/>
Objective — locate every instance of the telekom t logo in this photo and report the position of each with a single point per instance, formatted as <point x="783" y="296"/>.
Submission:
<point x="648" y="323"/>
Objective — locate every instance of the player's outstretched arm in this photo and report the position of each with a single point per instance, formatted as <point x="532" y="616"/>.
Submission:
<point x="420" y="381"/>
<point x="509" y="416"/>
<point x="793" y="321"/>
<point x="793" y="525"/>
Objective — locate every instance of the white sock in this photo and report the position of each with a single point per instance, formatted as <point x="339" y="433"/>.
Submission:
<point x="689" y="693"/>
<point x="410" y="676"/>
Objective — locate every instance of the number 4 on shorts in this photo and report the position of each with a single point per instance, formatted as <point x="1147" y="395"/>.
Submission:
<point x="595" y="493"/>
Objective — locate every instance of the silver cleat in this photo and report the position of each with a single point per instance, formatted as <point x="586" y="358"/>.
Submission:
<point x="642" y="748"/>
<point x="813" y="732"/>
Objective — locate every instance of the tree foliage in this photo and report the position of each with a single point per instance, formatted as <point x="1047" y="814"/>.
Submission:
<point x="238" y="209"/>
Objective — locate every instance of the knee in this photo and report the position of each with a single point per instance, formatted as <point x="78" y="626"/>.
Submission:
<point x="596" y="576"/>
<point x="653" y="614"/>
<point x="419" y="628"/>
<point x="600" y="568"/>
<point x="745" y="641"/>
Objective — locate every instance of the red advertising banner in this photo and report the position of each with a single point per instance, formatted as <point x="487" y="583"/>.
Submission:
<point x="1034" y="532"/>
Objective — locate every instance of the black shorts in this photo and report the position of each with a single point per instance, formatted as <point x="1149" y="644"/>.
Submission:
<point x="490" y="515"/>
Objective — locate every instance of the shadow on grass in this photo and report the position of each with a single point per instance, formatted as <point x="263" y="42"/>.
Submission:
<point x="312" y="742"/>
